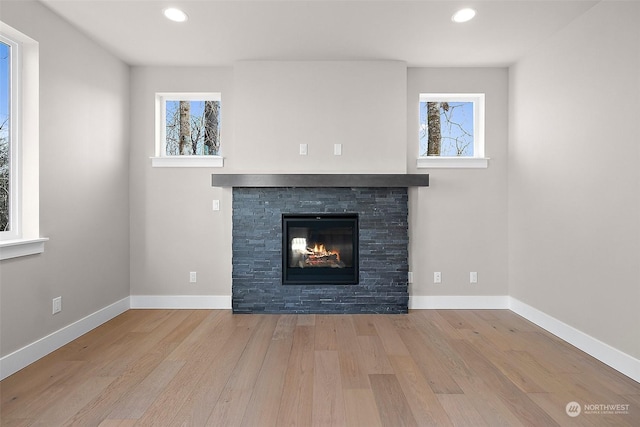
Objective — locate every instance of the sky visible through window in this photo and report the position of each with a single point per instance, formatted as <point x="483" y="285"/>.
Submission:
<point x="197" y="107"/>
<point x="456" y="128"/>
<point x="4" y="85"/>
<point x="5" y="97"/>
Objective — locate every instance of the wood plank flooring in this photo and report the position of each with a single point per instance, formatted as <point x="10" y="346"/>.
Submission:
<point x="211" y="367"/>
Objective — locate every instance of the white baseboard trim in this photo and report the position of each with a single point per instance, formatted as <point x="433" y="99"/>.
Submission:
<point x="458" y="302"/>
<point x="21" y="358"/>
<point x="608" y="355"/>
<point x="618" y="360"/>
<point x="210" y="302"/>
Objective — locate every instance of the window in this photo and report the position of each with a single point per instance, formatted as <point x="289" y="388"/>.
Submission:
<point x="19" y="163"/>
<point x="188" y="130"/>
<point x="451" y="132"/>
<point x="8" y="142"/>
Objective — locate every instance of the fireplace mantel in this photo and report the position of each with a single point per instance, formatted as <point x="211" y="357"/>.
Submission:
<point x="320" y="180"/>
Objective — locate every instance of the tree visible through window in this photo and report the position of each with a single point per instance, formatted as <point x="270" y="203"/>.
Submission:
<point x="447" y="128"/>
<point x="192" y="127"/>
<point x="450" y="125"/>
<point x="5" y="142"/>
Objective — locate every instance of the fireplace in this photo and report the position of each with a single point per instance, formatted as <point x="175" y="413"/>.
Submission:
<point x="380" y="284"/>
<point x="320" y="249"/>
<point x="378" y="206"/>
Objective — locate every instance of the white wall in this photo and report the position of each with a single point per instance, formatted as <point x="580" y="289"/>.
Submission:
<point x="84" y="206"/>
<point x="459" y="223"/>
<point x="574" y="176"/>
<point x="173" y="227"/>
<point x="359" y="104"/>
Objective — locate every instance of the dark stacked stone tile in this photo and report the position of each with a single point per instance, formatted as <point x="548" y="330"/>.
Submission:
<point x="257" y="257"/>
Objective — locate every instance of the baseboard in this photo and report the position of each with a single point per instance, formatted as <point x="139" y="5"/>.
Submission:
<point x="21" y="358"/>
<point x="458" y="302"/>
<point x="608" y="355"/>
<point x="618" y="360"/>
<point x="210" y="302"/>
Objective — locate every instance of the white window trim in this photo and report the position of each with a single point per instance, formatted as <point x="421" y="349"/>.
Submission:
<point x="478" y="161"/>
<point x="26" y="173"/>
<point x="21" y="247"/>
<point x="161" y="159"/>
<point x="187" y="162"/>
<point x="453" y="162"/>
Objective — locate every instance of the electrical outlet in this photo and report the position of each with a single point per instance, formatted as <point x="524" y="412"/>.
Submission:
<point x="410" y="277"/>
<point x="57" y="305"/>
<point x="337" y="149"/>
<point x="304" y="149"/>
<point x="437" y="277"/>
<point x="193" y="277"/>
<point x="473" y="277"/>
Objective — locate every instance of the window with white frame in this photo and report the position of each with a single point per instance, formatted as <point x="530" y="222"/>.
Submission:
<point x="188" y="130"/>
<point x="19" y="145"/>
<point x="8" y="140"/>
<point x="451" y="132"/>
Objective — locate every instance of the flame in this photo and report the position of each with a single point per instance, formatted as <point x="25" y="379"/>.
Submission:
<point x="319" y="249"/>
<point x="316" y="252"/>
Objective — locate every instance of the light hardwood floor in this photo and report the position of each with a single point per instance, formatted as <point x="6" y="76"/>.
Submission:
<point x="210" y="367"/>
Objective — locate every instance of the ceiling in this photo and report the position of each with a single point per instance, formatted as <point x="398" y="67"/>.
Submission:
<point x="419" y="32"/>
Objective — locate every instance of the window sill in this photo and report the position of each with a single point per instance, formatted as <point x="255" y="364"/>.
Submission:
<point x="21" y="247"/>
<point x="188" y="162"/>
<point x="453" y="162"/>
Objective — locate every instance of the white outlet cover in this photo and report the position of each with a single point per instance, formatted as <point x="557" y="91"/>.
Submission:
<point x="216" y="205"/>
<point x="57" y="305"/>
<point x="304" y="149"/>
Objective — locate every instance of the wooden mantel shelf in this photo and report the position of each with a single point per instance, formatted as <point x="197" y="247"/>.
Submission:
<point x="320" y="180"/>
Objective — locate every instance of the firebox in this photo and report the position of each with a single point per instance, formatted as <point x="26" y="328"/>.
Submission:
<point x="320" y="249"/>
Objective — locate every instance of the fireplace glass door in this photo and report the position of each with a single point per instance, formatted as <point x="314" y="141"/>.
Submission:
<point x="320" y="249"/>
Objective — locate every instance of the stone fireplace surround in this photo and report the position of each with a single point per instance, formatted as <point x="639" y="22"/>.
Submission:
<point x="257" y="239"/>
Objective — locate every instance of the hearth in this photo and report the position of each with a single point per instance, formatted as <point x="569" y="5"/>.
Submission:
<point x="319" y="249"/>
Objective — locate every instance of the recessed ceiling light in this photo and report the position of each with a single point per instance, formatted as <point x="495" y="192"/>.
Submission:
<point x="175" y="15"/>
<point x="463" y="15"/>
